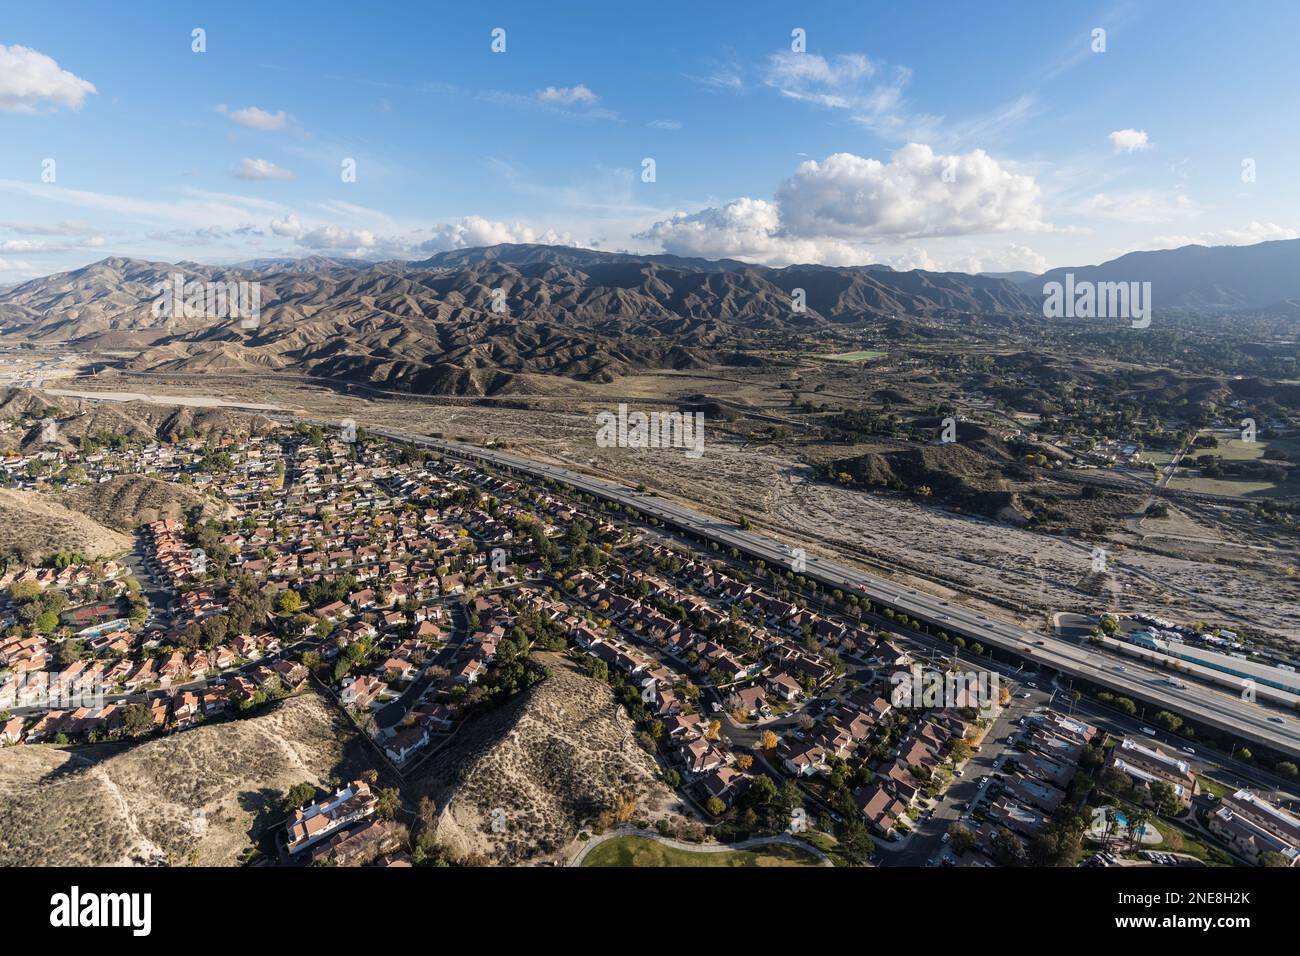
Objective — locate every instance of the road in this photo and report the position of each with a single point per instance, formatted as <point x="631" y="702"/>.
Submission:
<point x="392" y="713"/>
<point x="1248" y="721"/>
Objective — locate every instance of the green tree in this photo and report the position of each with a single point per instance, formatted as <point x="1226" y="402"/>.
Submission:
<point x="300" y="794"/>
<point x="388" y="802"/>
<point x="137" y="720"/>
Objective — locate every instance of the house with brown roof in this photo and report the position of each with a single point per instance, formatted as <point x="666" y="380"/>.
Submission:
<point x="880" y="808"/>
<point x="725" y="783"/>
<point x="785" y="686"/>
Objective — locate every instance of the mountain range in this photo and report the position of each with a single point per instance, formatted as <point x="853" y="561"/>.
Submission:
<point x="511" y="317"/>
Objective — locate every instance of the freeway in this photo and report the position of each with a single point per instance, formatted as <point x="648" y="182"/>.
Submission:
<point x="1247" y="721"/>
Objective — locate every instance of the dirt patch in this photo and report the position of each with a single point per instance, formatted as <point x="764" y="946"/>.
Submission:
<point x="33" y="527"/>
<point x="202" y="795"/>
<point x="521" y="781"/>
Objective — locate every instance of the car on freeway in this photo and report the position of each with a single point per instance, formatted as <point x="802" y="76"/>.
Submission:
<point x="1276" y="720"/>
<point x="1189" y="750"/>
<point x="1148" y="731"/>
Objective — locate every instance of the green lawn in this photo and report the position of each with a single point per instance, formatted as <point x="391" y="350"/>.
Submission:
<point x="1220" y="790"/>
<point x="639" y="851"/>
<point x="1183" y="842"/>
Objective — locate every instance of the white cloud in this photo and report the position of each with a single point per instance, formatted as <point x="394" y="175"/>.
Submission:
<point x="568" y="95"/>
<point x="746" y="229"/>
<point x="917" y="193"/>
<point x="792" y="70"/>
<point x="196" y="206"/>
<point x="473" y="231"/>
<point x="469" y="232"/>
<point x="722" y="78"/>
<point x="331" y="238"/>
<point x="1251" y="234"/>
<point x="262" y="169"/>
<point x="21" y="245"/>
<point x="290" y="226"/>
<point x="849" y="81"/>
<point x="1139" y="206"/>
<point x="254" y="118"/>
<point x="664" y="124"/>
<point x="835" y="211"/>
<point x="21" y="268"/>
<point x="29" y="78"/>
<point x="64" y="228"/>
<point x="1129" y="140"/>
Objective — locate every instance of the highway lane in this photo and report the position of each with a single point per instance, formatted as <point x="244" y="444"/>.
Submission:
<point x="1248" y="721"/>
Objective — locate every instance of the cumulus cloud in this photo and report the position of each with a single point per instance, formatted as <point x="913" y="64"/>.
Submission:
<point x="473" y="231"/>
<point x="1129" y="140"/>
<point x="747" y="229"/>
<point x="568" y="95"/>
<point x="253" y="118"/>
<point x="29" y="78"/>
<point x="917" y="193"/>
<point x="262" y="169"/>
<point x="332" y="238"/>
<point x="290" y="226"/>
<point x="469" y="232"/>
<point x="834" y="210"/>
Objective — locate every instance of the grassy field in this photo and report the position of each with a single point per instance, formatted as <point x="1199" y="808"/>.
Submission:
<point x="639" y="851"/>
<point x="1234" y="449"/>
<point x="1230" y="487"/>
<point x="865" y="355"/>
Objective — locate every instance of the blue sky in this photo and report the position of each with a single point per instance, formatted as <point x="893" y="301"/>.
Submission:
<point x="961" y="136"/>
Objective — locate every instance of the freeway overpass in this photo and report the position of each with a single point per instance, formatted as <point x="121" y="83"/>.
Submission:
<point x="1206" y="705"/>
